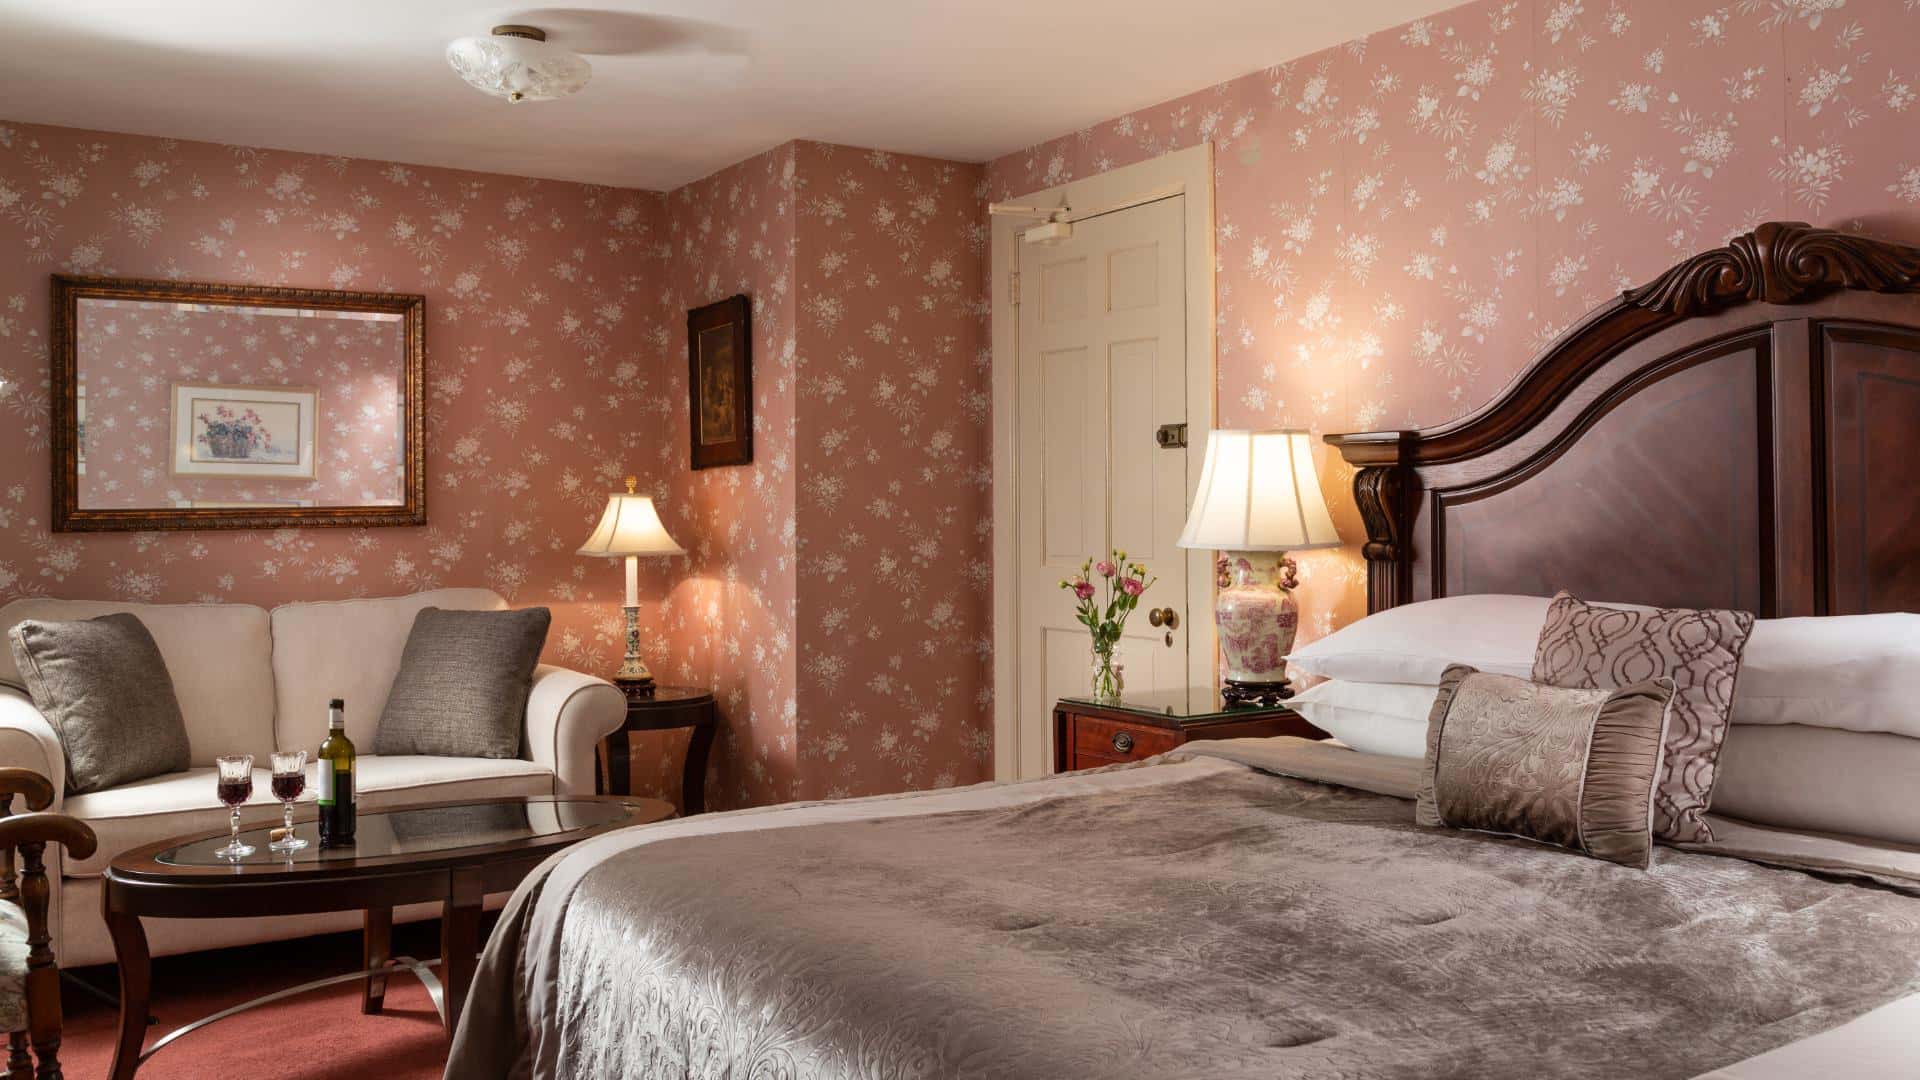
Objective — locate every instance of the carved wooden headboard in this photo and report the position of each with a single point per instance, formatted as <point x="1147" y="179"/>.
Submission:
<point x="1743" y="431"/>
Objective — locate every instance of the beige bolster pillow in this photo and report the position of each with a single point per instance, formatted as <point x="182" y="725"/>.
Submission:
<point x="1821" y="779"/>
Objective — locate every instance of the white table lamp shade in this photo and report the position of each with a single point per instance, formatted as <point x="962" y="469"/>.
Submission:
<point x="1259" y="492"/>
<point x="630" y="526"/>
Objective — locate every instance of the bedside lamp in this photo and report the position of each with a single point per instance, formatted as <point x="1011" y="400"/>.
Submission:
<point x="630" y="527"/>
<point x="1259" y="498"/>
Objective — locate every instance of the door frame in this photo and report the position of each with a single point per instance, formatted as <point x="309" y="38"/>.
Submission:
<point x="1022" y="751"/>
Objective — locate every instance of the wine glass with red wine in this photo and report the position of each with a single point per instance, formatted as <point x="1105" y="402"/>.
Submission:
<point x="236" y="787"/>
<point x="289" y="780"/>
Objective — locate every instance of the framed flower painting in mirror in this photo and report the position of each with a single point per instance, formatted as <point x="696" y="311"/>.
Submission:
<point x="259" y="431"/>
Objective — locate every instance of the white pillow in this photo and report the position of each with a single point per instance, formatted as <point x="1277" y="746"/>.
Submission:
<point x="1373" y="718"/>
<point x="1855" y="672"/>
<point x="1414" y="643"/>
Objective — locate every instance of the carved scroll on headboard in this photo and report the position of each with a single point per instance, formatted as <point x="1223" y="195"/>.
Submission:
<point x="1741" y="431"/>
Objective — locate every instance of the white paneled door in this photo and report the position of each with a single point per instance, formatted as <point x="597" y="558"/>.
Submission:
<point x="1102" y="369"/>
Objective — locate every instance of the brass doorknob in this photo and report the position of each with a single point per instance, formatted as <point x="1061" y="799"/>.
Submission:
<point x="1166" y="617"/>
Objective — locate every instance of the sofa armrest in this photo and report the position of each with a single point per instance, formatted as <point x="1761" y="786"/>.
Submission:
<point x="28" y="741"/>
<point x="568" y="713"/>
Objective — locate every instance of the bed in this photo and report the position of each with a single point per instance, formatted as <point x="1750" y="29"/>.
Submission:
<point x="1737" y="433"/>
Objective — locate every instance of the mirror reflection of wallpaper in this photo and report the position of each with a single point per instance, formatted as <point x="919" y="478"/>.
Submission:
<point x="134" y="352"/>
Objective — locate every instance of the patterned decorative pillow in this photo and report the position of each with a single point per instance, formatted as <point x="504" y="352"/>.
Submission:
<point x="1573" y="768"/>
<point x="1585" y="646"/>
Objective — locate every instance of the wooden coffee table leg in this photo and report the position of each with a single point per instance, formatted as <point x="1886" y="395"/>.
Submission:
<point x="376" y="943"/>
<point x="136" y="986"/>
<point x="460" y="939"/>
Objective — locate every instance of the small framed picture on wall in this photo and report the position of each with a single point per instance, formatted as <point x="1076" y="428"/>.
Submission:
<point x="720" y="375"/>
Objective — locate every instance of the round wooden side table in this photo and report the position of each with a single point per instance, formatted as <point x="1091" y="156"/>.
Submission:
<point x="666" y="708"/>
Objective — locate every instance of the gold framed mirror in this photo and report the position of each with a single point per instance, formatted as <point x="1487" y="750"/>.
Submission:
<point x="184" y="405"/>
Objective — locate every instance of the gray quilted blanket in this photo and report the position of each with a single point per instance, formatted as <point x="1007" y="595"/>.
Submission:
<point x="1227" y="924"/>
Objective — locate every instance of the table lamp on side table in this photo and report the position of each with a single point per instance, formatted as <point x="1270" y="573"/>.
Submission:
<point x="1259" y="498"/>
<point x="631" y="527"/>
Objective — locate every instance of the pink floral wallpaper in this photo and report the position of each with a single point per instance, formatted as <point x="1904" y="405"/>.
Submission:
<point x="134" y="353"/>
<point x="893" y="492"/>
<point x="837" y="598"/>
<point x="728" y="619"/>
<point x="1402" y="221"/>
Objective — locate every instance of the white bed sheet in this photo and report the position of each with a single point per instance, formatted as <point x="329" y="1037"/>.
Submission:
<point x="1881" y="1045"/>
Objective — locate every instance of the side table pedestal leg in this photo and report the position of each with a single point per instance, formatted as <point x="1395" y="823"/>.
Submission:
<point x="693" y="784"/>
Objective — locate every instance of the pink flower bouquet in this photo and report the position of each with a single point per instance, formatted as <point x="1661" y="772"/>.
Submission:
<point x="1104" y="618"/>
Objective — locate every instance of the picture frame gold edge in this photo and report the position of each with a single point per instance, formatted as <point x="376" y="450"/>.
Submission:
<point x="67" y="516"/>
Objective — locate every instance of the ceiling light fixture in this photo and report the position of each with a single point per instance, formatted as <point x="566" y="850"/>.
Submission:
<point x="518" y="64"/>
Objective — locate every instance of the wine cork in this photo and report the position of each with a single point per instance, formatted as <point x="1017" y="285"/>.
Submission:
<point x="280" y="834"/>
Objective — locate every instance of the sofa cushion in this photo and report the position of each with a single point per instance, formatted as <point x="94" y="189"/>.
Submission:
<point x="220" y="657"/>
<point x="128" y="816"/>
<point x="180" y="804"/>
<point x="463" y="682"/>
<point x="103" y="686"/>
<point x="418" y="778"/>
<point x="348" y="649"/>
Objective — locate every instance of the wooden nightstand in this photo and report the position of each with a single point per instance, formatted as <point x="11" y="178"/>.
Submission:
<point x="1087" y="735"/>
<point x="663" y="709"/>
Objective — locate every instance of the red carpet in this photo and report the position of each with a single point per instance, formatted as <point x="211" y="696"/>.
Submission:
<point x="310" y="1037"/>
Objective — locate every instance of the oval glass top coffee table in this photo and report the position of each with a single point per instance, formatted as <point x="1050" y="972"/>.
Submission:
<point x="455" y="853"/>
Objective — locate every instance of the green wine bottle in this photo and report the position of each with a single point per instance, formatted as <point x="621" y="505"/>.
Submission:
<point x="335" y="762"/>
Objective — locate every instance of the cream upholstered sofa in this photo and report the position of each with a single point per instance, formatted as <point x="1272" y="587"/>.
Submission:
<point x="252" y="681"/>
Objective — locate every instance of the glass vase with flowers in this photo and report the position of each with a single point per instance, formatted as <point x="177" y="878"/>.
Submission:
<point x="1103" y="609"/>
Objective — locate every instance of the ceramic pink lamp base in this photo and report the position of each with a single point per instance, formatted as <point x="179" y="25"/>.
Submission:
<point x="1257" y="619"/>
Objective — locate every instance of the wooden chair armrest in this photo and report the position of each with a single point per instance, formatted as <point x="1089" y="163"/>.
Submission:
<point x="69" y="832"/>
<point x="37" y="789"/>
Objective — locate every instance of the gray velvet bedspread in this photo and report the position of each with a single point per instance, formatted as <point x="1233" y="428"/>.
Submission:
<point x="1235" y="924"/>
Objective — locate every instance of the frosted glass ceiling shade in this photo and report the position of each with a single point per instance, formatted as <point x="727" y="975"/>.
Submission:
<point x="519" y="64"/>
<point x="1259" y="492"/>
<point x="630" y="526"/>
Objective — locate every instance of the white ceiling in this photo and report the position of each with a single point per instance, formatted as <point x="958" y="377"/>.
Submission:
<point x="680" y="87"/>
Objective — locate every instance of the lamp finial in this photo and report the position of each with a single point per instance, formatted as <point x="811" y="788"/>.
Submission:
<point x="632" y="482"/>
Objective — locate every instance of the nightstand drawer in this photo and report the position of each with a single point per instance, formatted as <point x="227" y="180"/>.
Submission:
<point x="1111" y="741"/>
<point x="1087" y="735"/>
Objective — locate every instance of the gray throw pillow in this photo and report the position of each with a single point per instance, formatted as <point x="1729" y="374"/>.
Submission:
<point x="104" y="687"/>
<point x="463" y="683"/>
